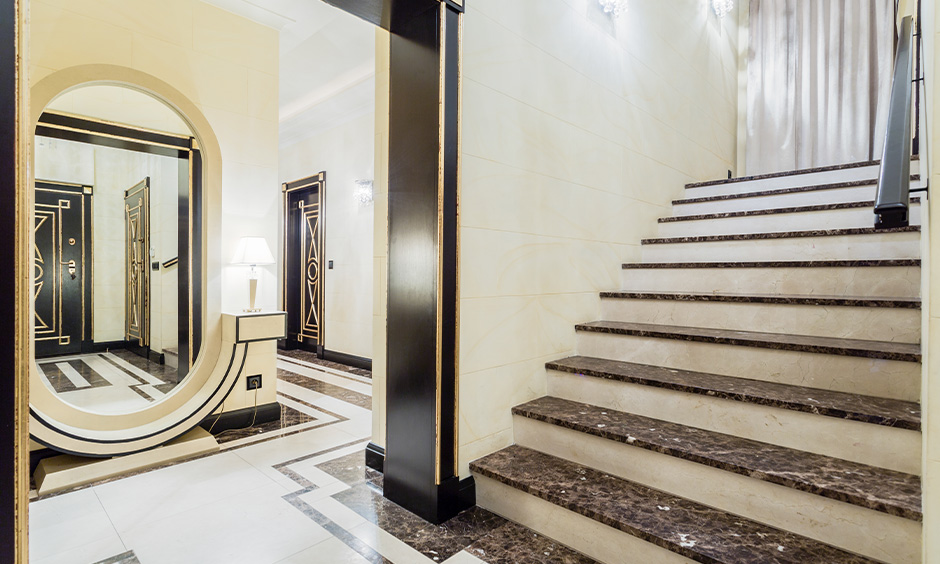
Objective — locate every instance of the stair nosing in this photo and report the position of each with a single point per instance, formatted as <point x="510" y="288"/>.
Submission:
<point x="682" y="508"/>
<point x="753" y="339"/>
<point x="783" y="191"/>
<point x="571" y="365"/>
<point x="738" y="467"/>
<point x="780" y="235"/>
<point x="850" y="263"/>
<point x="774" y="211"/>
<point x="782" y="174"/>
<point x="781" y="299"/>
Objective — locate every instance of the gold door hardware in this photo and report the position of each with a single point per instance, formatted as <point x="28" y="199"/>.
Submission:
<point x="71" y="265"/>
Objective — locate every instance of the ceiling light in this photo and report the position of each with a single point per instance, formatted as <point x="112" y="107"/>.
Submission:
<point x="722" y="7"/>
<point x="614" y="7"/>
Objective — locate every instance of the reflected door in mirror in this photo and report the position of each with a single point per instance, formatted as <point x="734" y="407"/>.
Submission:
<point x="62" y="249"/>
<point x="137" y="253"/>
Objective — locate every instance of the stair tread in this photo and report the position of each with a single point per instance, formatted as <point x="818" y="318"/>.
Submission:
<point x="782" y="173"/>
<point x="679" y="525"/>
<point x="780" y="235"/>
<point x="790" y="299"/>
<point x="884" y="350"/>
<point x="887" y="491"/>
<point x="854" y="407"/>
<point x="774" y="211"/>
<point x="851" y="263"/>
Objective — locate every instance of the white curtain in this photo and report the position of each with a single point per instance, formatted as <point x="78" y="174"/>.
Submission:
<point x="819" y="78"/>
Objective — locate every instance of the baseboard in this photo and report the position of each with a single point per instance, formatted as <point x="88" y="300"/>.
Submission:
<point x="242" y="418"/>
<point x="347" y="359"/>
<point x="375" y="457"/>
<point x="106" y="346"/>
<point x="467" y="493"/>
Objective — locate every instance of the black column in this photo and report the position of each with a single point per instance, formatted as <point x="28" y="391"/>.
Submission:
<point x="421" y="395"/>
<point x="9" y="240"/>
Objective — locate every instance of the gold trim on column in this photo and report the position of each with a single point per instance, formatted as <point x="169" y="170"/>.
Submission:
<point x="22" y="295"/>
<point x="457" y="250"/>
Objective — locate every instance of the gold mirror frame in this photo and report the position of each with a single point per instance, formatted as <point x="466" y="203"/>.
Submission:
<point x="56" y="423"/>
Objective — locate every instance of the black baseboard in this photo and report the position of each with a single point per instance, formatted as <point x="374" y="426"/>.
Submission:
<point x="467" y="494"/>
<point x="347" y="359"/>
<point x="375" y="457"/>
<point x="242" y="418"/>
<point x="105" y="346"/>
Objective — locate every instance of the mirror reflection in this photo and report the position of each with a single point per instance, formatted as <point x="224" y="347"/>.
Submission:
<point x="116" y="203"/>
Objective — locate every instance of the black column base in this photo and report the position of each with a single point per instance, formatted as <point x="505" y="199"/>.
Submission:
<point x="437" y="505"/>
<point x="375" y="457"/>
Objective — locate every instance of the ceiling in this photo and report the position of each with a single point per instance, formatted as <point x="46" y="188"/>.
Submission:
<point x="327" y="73"/>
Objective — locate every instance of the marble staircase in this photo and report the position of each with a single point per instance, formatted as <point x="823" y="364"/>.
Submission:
<point x="750" y="395"/>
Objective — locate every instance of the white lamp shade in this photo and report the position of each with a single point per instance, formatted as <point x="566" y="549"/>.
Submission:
<point x="253" y="251"/>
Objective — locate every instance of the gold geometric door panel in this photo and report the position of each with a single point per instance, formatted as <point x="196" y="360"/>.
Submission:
<point x="61" y="213"/>
<point x="303" y="261"/>
<point x="310" y="288"/>
<point x="137" y="264"/>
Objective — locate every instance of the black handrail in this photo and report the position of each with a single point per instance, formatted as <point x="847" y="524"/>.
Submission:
<point x="892" y="201"/>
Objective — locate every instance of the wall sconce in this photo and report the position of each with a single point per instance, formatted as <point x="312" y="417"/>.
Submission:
<point x="253" y="251"/>
<point x="614" y="7"/>
<point x="722" y="7"/>
<point x="364" y="192"/>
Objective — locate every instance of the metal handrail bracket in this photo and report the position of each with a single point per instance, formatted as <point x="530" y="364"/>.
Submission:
<point x="892" y="201"/>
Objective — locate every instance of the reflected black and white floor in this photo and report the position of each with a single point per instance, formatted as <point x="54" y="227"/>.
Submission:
<point x="292" y="491"/>
<point x="110" y="382"/>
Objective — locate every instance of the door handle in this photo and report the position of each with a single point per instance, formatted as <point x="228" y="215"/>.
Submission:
<point x="71" y="265"/>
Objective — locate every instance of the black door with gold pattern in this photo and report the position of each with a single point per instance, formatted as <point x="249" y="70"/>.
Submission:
<point x="303" y="262"/>
<point x="137" y="267"/>
<point x="61" y="268"/>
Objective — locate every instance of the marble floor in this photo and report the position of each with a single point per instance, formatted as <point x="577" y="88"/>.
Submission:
<point x="293" y="491"/>
<point x="117" y="381"/>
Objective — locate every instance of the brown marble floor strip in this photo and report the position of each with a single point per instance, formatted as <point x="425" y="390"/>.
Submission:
<point x="781" y="299"/>
<point x="780" y="235"/>
<point x="782" y="174"/>
<point x="782" y="191"/>
<point x="690" y="529"/>
<point x="312" y="358"/>
<point x="883" y="350"/>
<point x="887" y="491"/>
<point x="124" y="558"/>
<point x="854" y="407"/>
<point x="325" y="388"/>
<point x="774" y="211"/>
<point x="514" y="544"/>
<point x="289" y="418"/>
<point x="868" y="263"/>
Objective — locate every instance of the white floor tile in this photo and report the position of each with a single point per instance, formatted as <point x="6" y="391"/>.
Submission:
<point x="325" y="376"/>
<point x="387" y="545"/>
<point x="257" y="527"/>
<point x="65" y="523"/>
<point x="148" y="497"/>
<point x="463" y="557"/>
<point x="84" y="554"/>
<point x="330" y="551"/>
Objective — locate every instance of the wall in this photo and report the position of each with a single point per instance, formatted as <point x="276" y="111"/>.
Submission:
<point x="346" y="153"/>
<point x="578" y="130"/>
<point x="223" y="63"/>
<point x="110" y="172"/>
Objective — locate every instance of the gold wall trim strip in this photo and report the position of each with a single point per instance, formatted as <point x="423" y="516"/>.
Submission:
<point x="112" y="123"/>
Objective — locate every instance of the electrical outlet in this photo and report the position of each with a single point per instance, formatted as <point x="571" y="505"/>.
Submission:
<point x="254" y="382"/>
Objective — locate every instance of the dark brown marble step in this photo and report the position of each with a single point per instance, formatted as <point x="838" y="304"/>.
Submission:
<point x="883" y="350"/>
<point x="867" y="263"/>
<point x="781" y="235"/>
<point x="781" y="174"/>
<point x="781" y="191"/>
<point x="854" y="407"/>
<point x="781" y="299"/>
<point x="693" y="530"/>
<point x="887" y="491"/>
<point x="774" y="211"/>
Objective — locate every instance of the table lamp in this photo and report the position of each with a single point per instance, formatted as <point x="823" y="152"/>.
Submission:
<point x="253" y="251"/>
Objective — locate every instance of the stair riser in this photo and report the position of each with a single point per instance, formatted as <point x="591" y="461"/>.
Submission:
<point x="789" y="200"/>
<point x="864" y="531"/>
<point x="585" y="535"/>
<point x="774" y="223"/>
<point x="871" y="377"/>
<point x="793" y="181"/>
<point x="829" y="281"/>
<point x="866" y="443"/>
<point x="838" y="247"/>
<point x="871" y="323"/>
